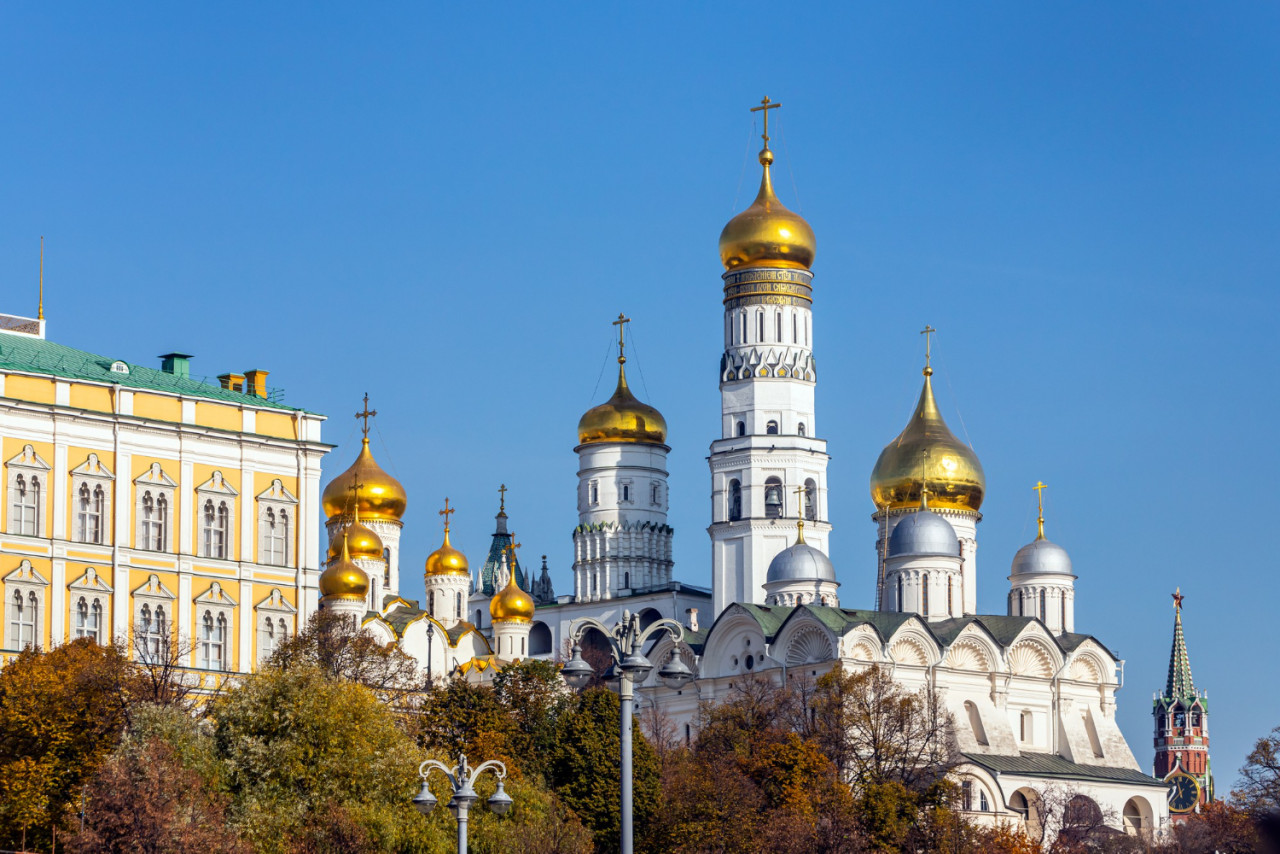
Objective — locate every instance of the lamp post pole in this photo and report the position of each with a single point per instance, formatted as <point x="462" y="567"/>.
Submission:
<point x="626" y="646"/>
<point x="462" y="778"/>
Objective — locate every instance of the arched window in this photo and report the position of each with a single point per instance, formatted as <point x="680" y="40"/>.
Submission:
<point x="771" y="428"/>
<point x="150" y="633"/>
<point x="924" y="594"/>
<point x="795" y="339"/>
<point x="742" y="428"/>
<point x="773" y="506"/>
<point x="431" y="604"/>
<point x="777" y="326"/>
<point x="975" y="722"/>
<point x="811" y="500"/>
<point x="81" y="624"/>
<point x="735" y="500"/>
<point x="209" y="528"/>
<point x="26" y="506"/>
<point x="1043" y="606"/>
<point x="983" y="804"/>
<point x="759" y="326"/>
<point x="477" y="616"/>
<point x="800" y="429"/>
<point x="1025" y="729"/>
<point x="1062" y="603"/>
<point x="223" y="530"/>
<point x="626" y="492"/>
<point x="82" y="517"/>
<point x="540" y="639"/>
<point x="24" y="619"/>
<point x="626" y="580"/>
<point x="213" y="641"/>
<point x="900" y="596"/>
<point x="458" y="604"/>
<point x="99" y="514"/>
<point x="655" y="494"/>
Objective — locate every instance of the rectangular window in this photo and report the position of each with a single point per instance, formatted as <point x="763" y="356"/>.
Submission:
<point x="26" y="505"/>
<point x="213" y="641"/>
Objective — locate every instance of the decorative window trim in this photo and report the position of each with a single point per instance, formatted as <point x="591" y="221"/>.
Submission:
<point x="275" y="623"/>
<point x="153" y="595"/>
<point x="91" y="475"/>
<point x="26" y="582"/>
<point x="276" y="503"/>
<point x="626" y="495"/>
<point x="217" y="491"/>
<point x="159" y="485"/>
<point x="214" y="651"/>
<point x="27" y="464"/>
<point x="93" y="590"/>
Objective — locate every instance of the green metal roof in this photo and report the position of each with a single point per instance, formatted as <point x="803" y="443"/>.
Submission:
<point x="38" y="356"/>
<point x="1053" y="765"/>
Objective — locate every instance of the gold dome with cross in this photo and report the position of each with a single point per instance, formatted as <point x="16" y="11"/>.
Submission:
<point x="622" y="418"/>
<point x="381" y="496"/>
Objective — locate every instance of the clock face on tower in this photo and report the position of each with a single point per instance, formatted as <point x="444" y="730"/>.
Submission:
<point x="1184" y="792"/>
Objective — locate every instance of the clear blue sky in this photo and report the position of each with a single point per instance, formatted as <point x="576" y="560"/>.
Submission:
<point x="446" y="208"/>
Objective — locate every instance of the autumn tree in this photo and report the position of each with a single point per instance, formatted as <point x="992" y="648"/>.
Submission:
<point x="328" y="644"/>
<point x="61" y="715"/>
<point x="1259" y="791"/>
<point x="461" y="717"/>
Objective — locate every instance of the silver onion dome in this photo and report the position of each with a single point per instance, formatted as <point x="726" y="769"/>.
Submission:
<point x="1041" y="557"/>
<point x="924" y="533"/>
<point x="801" y="562"/>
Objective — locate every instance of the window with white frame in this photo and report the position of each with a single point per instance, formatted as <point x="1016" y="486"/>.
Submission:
<point x="154" y="491"/>
<point x="88" y="599"/>
<point x="216" y="508"/>
<point x="151" y="638"/>
<point x="276" y="511"/>
<point x="28" y="479"/>
<point x="275" y="618"/>
<point x="25" y="589"/>
<point x="91" y="492"/>
<point x="86" y="621"/>
<point x="213" y="641"/>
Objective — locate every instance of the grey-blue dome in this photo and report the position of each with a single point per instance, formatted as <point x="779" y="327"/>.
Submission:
<point x="924" y="533"/>
<point x="1041" y="557"/>
<point x="801" y="562"/>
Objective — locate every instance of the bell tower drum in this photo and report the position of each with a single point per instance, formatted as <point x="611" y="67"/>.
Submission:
<point x="768" y="446"/>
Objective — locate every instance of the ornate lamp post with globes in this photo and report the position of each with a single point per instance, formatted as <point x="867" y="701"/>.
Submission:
<point x="626" y="645"/>
<point x="462" y="778"/>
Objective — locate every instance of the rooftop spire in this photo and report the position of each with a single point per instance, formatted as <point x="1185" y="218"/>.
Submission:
<point x="927" y="332"/>
<point x="40" y="308"/>
<point x="1179" y="684"/>
<point x="1040" y="487"/>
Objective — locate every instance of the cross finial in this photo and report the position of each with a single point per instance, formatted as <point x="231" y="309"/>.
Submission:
<point x="446" y="513"/>
<point x="800" y="494"/>
<point x="765" y="106"/>
<point x="927" y="332"/>
<point x="502" y="498"/>
<point x="366" y="414"/>
<point x="621" y="323"/>
<point x="354" y="489"/>
<point x="925" y="492"/>
<point x="1040" y="487"/>
<point x="1177" y="600"/>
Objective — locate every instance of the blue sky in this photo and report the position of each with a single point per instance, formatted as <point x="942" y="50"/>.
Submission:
<point x="446" y="207"/>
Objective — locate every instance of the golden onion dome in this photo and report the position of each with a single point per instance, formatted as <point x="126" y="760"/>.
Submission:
<point x="343" y="579"/>
<point x="447" y="560"/>
<point x="362" y="542"/>
<point x="511" y="603"/>
<point x="380" y="497"/>
<point x="767" y="234"/>
<point x="926" y="452"/>
<point x="622" y="418"/>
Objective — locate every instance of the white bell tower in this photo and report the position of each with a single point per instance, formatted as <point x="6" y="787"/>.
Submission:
<point x="768" y="468"/>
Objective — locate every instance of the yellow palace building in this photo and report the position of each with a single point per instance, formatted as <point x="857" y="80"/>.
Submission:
<point x="142" y="504"/>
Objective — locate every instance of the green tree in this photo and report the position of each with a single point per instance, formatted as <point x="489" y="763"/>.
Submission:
<point x="329" y="645"/>
<point x="61" y="715"/>
<point x="317" y="763"/>
<point x="534" y="697"/>
<point x="461" y="717"/>
<point x="585" y="768"/>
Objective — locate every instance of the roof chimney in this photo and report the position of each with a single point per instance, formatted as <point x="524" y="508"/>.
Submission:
<point x="178" y="364"/>
<point x="231" y="382"/>
<point x="256" y="382"/>
<point x="691" y="618"/>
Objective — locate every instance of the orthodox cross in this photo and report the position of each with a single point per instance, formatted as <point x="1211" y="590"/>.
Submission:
<point x="446" y="513"/>
<point x="765" y="106"/>
<point x="1177" y="599"/>
<point x="621" y="323"/>
<point x="1040" y="487"/>
<point x="366" y="414"/>
<point x="927" y="332"/>
<point x="502" y="498"/>
<point x="354" y="489"/>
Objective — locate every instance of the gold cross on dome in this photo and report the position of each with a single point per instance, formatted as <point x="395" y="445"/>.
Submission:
<point x="927" y="332"/>
<point x="621" y="323"/>
<point x="765" y="106"/>
<point x="1040" y="487"/>
<point x="502" y="498"/>
<point x="366" y="414"/>
<point x="354" y="489"/>
<point x="446" y="513"/>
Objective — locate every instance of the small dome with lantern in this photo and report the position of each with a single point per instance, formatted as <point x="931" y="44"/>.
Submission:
<point x="343" y="579"/>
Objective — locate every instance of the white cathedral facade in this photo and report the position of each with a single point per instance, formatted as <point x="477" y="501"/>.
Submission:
<point x="1034" y="701"/>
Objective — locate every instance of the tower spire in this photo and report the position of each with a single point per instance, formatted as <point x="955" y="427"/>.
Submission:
<point x="1179" y="683"/>
<point x="40" y="308"/>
